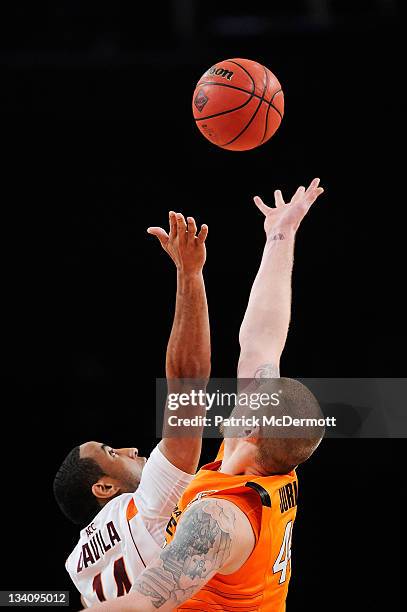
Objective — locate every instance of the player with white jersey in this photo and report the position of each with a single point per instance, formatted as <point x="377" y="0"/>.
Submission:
<point x="122" y="501"/>
<point x="127" y="533"/>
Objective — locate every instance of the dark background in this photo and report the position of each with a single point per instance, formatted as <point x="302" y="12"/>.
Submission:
<point x="98" y="143"/>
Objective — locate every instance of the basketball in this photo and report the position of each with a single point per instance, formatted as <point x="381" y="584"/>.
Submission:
<point x="238" y="104"/>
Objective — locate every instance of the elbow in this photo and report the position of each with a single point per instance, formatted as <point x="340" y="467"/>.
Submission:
<point x="259" y="364"/>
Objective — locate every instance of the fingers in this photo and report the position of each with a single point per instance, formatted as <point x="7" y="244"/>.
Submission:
<point x="278" y="198"/>
<point x="184" y="230"/>
<point x="160" y="233"/>
<point x="298" y="195"/>
<point x="261" y="205"/>
<point x="203" y="233"/>
<point x="307" y="197"/>
<point x="181" y="227"/>
<point x="173" y="224"/>
<point x="314" y="184"/>
<point x="191" y="229"/>
<point x="313" y="194"/>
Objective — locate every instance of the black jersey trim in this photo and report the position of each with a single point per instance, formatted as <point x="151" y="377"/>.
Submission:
<point x="264" y="496"/>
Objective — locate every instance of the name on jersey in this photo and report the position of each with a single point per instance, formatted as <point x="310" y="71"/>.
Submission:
<point x="172" y="523"/>
<point x="288" y="496"/>
<point x="100" y="542"/>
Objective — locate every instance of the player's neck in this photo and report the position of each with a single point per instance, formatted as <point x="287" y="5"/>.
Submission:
<point x="239" y="462"/>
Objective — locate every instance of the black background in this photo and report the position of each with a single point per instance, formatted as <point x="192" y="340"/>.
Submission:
<point x="99" y="143"/>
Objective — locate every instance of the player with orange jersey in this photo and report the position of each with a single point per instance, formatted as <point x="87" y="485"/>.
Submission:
<point x="228" y="542"/>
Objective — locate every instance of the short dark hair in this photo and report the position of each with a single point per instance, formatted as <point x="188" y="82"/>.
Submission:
<point x="73" y="487"/>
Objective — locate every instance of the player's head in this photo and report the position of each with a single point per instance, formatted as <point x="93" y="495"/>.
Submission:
<point x="280" y="445"/>
<point x="91" y="475"/>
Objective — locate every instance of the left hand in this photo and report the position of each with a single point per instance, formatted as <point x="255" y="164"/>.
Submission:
<point x="185" y="247"/>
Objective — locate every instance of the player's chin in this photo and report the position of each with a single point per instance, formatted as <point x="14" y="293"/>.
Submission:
<point x="132" y="484"/>
<point x="137" y="472"/>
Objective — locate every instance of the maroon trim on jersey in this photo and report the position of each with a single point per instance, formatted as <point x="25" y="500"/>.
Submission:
<point x="138" y="552"/>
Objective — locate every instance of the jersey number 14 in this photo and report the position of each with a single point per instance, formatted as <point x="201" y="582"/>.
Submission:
<point x="121" y="579"/>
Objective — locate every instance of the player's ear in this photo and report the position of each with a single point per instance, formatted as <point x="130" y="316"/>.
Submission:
<point x="250" y="434"/>
<point x="105" y="488"/>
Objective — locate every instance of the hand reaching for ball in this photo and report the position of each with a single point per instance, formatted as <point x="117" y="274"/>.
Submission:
<point x="185" y="247"/>
<point x="289" y="215"/>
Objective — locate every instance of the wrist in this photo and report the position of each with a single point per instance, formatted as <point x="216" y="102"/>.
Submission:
<point x="280" y="232"/>
<point x="189" y="274"/>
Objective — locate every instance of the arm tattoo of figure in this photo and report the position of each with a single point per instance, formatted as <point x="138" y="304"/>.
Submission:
<point x="201" y="546"/>
<point x="267" y="370"/>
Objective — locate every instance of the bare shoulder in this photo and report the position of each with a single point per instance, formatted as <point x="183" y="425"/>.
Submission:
<point x="226" y="528"/>
<point x="220" y="512"/>
<point x="213" y="536"/>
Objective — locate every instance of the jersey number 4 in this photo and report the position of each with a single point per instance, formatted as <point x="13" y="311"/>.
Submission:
<point x="120" y="576"/>
<point x="284" y="556"/>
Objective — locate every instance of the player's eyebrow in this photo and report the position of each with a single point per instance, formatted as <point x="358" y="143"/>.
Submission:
<point x="104" y="447"/>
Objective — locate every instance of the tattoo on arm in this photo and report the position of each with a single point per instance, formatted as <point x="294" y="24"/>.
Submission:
<point x="201" y="547"/>
<point x="267" y="370"/>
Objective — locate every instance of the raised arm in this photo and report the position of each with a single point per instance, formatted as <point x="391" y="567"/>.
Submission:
<point x="264" y="329"/>
<point x="213" y="536"/>
<point x="188" y="351"/>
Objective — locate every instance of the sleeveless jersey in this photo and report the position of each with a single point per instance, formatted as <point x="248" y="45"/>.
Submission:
<point x="219" y="456"/>
<point x="270" y="503"/>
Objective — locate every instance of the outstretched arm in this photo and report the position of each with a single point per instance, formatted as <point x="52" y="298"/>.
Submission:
<point x="188" y="351"/>
<point x="264" y="329"/>
<point x="213" y="536"/>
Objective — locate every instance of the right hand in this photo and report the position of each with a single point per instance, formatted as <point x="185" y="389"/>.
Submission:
<point x="289" y="215"/>
<point x="183" y="245"/>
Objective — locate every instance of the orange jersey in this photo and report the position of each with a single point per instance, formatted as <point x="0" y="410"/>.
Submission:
<point x="270" y="503"/>
<point x="221" y="451"/>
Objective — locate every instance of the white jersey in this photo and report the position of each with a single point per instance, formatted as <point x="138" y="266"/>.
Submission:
<point x="127" y="533"/>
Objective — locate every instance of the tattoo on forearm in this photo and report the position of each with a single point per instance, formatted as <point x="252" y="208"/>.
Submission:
<point x="277" y="237"/>
<point x="201" y="546"/>
<point x="267" y="370"/>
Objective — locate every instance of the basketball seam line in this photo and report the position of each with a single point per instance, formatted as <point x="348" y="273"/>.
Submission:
<point x="268" y="110"/>
<point x="237" y="107"/>
<point x="252" y="117"/>
<point x="253" y="95"/>
<point x="246" y="71"/>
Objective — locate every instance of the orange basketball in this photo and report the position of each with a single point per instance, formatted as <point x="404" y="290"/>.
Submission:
<point x="238" y="104"/>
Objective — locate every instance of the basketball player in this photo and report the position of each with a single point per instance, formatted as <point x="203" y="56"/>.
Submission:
<point x="229" y="538"/>
<point x="121" y="500"/>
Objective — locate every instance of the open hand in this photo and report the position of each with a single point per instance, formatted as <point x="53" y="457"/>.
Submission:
<point x="290" y="214"/>
<point x="185" y="247"/>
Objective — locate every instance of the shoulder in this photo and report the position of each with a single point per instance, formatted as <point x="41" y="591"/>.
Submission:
<point x="115" y="508"/>
<point x="213" y="513"/>
<point x="248" y="501"/>
<point x="217" y="524"/>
